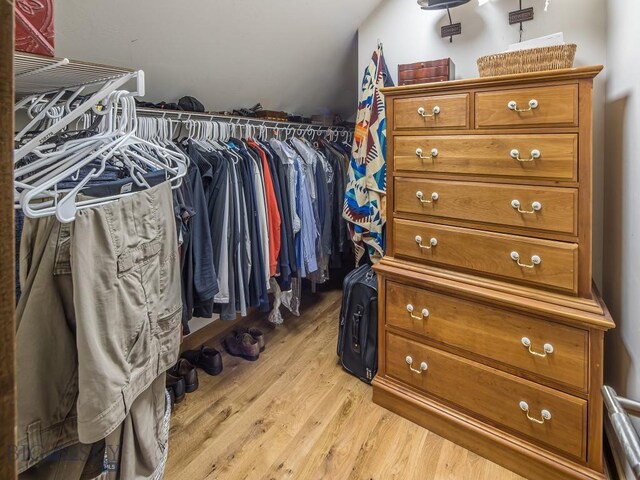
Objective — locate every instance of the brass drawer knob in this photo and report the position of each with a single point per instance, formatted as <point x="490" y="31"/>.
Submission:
<point x="535" y="206"/>
<point x="544" y="414"/>
<point x="513" y="105"/>
<point x="419" y="152"/>
<point x="410" y="309"/>
<point x="547" y="347"/>
<point x="420" y="196"/>
<point x="423" y="113"/>
<point x="423" y="365"/>
<point x="432" y="243"/>
<point x="535" y="154"/>
<point x="535" y="260"/>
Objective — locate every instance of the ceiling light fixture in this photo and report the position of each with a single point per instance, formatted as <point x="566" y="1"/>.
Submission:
<point x="440" y="4"/>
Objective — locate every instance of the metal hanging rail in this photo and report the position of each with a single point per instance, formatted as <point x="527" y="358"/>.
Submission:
<point x="258" y="122"/>
<point x="624" y="435"/>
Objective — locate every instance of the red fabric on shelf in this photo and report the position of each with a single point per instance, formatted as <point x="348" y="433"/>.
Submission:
<point x="34" y="26"/>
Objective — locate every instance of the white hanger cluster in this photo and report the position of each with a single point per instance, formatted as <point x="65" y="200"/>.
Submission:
<point x="217" y="130"/>
<point x="51" y="177"/>
<point x="312" y="131"/>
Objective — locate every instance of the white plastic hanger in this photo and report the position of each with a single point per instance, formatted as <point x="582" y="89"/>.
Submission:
<point x="118" y="143"/>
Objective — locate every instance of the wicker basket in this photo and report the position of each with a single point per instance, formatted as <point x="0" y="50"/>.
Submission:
<point x="531" y="60"/>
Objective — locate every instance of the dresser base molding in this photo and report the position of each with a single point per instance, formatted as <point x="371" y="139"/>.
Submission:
<point x="485" y="440"/>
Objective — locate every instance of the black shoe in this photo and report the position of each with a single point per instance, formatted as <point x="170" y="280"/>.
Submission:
<point x="206" y="358"/>
<point x="184" y="369"/>
<point x="178" y="386"/>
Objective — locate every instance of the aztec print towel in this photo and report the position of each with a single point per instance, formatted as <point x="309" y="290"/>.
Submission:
<point x="365" y="198"/>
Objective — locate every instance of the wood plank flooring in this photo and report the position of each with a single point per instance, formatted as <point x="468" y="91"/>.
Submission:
<point x="295" y="414"/>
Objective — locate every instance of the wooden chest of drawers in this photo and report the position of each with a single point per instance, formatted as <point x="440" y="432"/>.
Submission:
<point x="491" y="332"/>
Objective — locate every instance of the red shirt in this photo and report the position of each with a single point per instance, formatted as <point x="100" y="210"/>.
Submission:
<point x="273" y="214"/>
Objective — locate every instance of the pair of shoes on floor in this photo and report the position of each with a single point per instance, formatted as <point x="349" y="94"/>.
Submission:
<point x="182" y="378"/>
<point x="245" y="343"/>
<point x="207" y="358"/>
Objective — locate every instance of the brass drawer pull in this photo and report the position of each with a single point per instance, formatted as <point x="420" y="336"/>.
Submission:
<point x="423" y="113"/>
<point x="535" y="154"/>
<point x="535" y="260"/>
<point x="513" y="105"/>
<point x="548" y="348"/>
<point x="434" y="154"/>
<point x="432" y="243"/>
<point x="425" y="313"/>
<point x="423" y="365"/>
<point x="420" y="196"/>
<point x="536" y="206"/>
<point x="545" y="414"/>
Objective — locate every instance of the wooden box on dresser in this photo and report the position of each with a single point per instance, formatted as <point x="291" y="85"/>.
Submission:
<point x="490" y="329"/>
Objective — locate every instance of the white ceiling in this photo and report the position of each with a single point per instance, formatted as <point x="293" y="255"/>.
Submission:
<point x="294" y="55"/>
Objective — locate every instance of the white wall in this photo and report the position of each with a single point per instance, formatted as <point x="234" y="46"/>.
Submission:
<point x="622" y="197"/>
<point x="293" y="55"/>
<point x="410" y="35"/>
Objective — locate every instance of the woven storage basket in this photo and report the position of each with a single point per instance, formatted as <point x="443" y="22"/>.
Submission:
<point x="531" y="60"/>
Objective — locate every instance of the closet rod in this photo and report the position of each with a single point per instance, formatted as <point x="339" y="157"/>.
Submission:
<point x="185" y="115"/>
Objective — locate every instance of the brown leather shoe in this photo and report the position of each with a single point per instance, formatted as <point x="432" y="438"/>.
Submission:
<point x="255" y="333"/>
<point x="243" y="345"/>
<point x="185" y="370"/>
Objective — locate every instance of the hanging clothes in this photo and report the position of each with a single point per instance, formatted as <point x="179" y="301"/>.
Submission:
<point x="199" y="278"/>
<point x="272" y="211"/>
<point x="365" y="202"/>
<point x="340" y="240"/>
<point x="109" y="287"/>
<point x="101" y="266"/>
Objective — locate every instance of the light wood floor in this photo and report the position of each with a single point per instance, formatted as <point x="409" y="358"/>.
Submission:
<point x="295" y="414"/>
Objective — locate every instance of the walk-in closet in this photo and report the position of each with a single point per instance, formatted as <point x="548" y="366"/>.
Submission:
<point x="373" y="239"/>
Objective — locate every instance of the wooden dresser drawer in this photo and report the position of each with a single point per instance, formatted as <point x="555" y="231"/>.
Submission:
<point x="441" y="111"/>
<point x="499" y="397"/>
<point x="535" y="106"/>
<point x="527" y="260"/>
<point x="493" y="155"/>
<point x="542" y="208"/>
<point x="491" y="332"/>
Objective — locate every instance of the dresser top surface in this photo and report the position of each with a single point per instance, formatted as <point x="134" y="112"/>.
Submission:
<point x="549" y="75"/>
